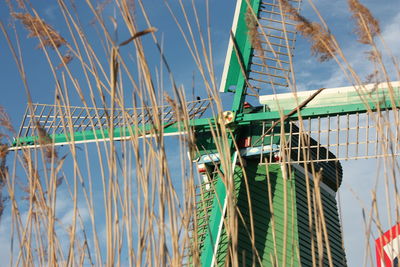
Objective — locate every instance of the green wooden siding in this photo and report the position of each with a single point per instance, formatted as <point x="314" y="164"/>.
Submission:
<point x="224" y="241"/>
<point x="331" y="220"/>
<point x="273" y="238"/>
<point x="269" y="248"/>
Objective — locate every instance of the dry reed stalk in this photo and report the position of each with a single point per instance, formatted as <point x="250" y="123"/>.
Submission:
<point x="199" y="55"/>
<point x="138" y="34"/>
<point x="136" y="184"/>
<point x="219" y="135"/>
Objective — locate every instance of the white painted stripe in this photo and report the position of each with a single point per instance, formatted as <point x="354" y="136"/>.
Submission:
<point x="327" y="92"/>
<point x="92" y="141"/>
<point x="244" y="152"/>
<point x="230" y="47"/>
<point x="223" y="215"/>
<point x="392" y="248"/>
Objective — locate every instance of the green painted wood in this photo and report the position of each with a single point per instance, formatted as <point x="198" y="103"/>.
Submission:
<point x="332" y="225"/>
<point x="223" y="246"/>
<point x="295" y="233"/>
<point x="285" y="235"/>
<point x="234" y="74"/>
<point x="99" y="134"/>
<point x="215" y="236"/>
<point x="241" y="57"/>
<point x="212" y="232"/>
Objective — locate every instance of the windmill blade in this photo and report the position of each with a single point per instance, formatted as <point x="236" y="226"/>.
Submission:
<point x="355" y="122"/>
<point x="261" y="48"/>
<point x="62" y="124"/>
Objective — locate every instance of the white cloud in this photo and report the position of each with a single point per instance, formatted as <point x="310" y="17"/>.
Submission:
<point x="312" y="74"/>
<point x="50" y="11"/>
<point x="5" y="239"/>
<point x="391" y="33"/>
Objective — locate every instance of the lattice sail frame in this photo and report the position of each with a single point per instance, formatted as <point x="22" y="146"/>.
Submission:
<point x="58" y="121"/>
<point x="360" y="122"/>
<point x="267" y="67"/>
<point x="356" y="136"/>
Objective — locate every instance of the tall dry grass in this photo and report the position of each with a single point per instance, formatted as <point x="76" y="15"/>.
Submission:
<point x="121" y="203"/>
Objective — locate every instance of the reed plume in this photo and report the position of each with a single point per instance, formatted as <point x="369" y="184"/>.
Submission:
<point x="5" y="121"/>
<point x="322" y="44"/>
<point x="252" y="32"/>
<point x="47" y="35"/>
<point x="37" y="27"/>
<point x="366" y="26"/>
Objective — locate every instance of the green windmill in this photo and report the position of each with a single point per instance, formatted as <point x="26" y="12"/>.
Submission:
<point x="284" y="155"/>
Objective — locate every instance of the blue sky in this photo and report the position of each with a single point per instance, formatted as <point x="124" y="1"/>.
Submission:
<point x="360" y="176"/>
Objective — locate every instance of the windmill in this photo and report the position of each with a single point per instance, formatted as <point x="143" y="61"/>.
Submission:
<point x="279" y="152"/>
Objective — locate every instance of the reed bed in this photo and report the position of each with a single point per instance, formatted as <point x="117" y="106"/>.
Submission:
<point x="132" y="202"/>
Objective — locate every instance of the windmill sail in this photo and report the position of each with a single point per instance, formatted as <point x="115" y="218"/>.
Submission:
<point x="355" y="122"/>
<point x="63" y="124"/>
<point x="261" y="48"/>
